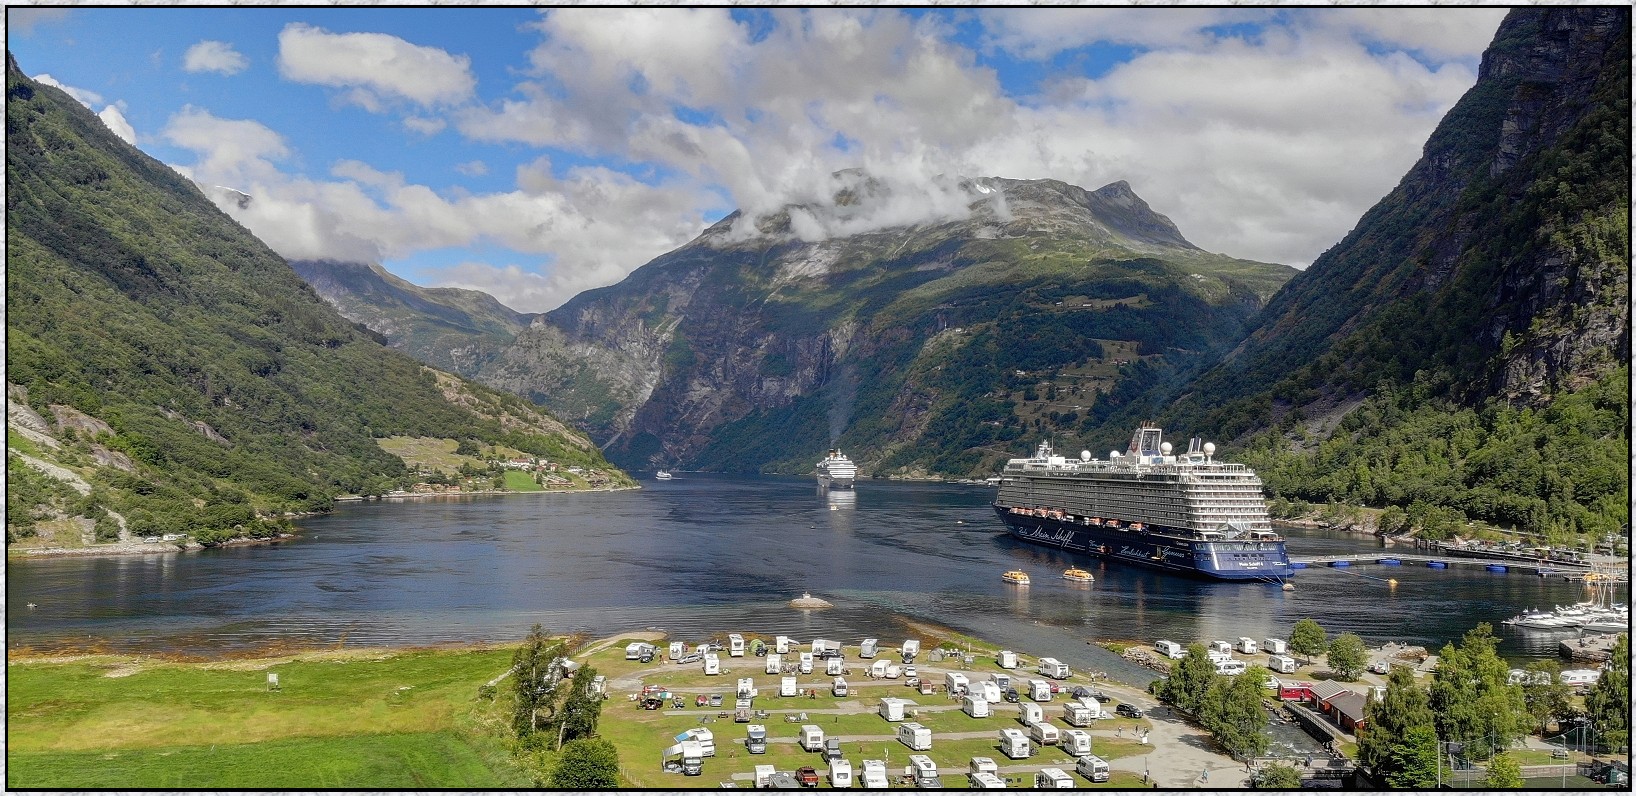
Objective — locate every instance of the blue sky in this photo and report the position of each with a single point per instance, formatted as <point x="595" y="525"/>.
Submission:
<point x="534" y="154"/>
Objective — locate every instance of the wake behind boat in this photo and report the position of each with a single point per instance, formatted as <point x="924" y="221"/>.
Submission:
<point x="1186" y="513"/>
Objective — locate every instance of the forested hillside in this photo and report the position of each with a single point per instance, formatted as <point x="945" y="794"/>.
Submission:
<point x="168" y="373"/>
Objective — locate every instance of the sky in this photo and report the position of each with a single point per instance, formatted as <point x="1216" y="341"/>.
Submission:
<point x="534" y="154"/>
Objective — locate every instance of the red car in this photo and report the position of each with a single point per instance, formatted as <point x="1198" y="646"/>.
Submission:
<point x="807" y="776"/>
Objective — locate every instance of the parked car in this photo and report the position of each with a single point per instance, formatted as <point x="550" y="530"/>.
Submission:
<point x="1128" y="710"/>
<point x="1012" y="696"/>
<point x="715" y="700"/>
<point x="700" y="701"/>
<point x="807" y="776"/>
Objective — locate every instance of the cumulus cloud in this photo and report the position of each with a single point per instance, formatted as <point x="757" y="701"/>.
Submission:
<point x="374" y="68"/>
<point x="214" y="56"/>
<point x="114" y="118"/>
<point x="85" y="97"/>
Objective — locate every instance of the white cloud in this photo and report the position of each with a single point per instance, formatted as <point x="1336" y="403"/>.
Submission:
<point x="114" y="118"/>
<point x="374" y="68"/>
<point x="235" y="153"/>
<point x="472" y="168"/>
<point x="24" y="19"/>
<point x="214" y="56"/>
<point x="425" y="125"/>
<point x="1448" y="32"/>
<point x="85" y="97"/>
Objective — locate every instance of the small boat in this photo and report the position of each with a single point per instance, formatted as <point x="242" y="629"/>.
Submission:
<point x="1016" y="576"/>
<point x="662" y="475"/>
<point x="1077" y="575"/>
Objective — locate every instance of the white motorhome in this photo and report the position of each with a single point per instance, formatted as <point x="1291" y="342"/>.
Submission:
<point x="955" y="682"/>
<point x="915" y="736"/>
<point x="985" y="689"/>
<point x="1220" y="646"/>
<point x="812" y="738"/>
<point x="1076" y="742"/>
<point x="1001" y="680"/>
<point x="703" y="737"/>
<point x="1246" y="645"/>
<point x="985" y="781"/>
<point x="1030" y="713"/>
<point x="747" y="688"/>
<point x="677" y="649"/>
<point x="1217" y="656"/>
<point x="756" y="739"/>
<point x="891" y="708"/>
<point x="975" y="707"/>
<point x="687" y="756"/>
<point x="1077" y="714"/>
<point x="1055" y="669"/>
<point x="878" y="668"/>
<point x="983" y="765"/>
<point x="1044" y="733"/>
<point x="1231" y="667"/>
<point x="1039" y="690"/>
<point x="839" y="687"/>
<point x="840" y="774"/>
<point x="635" y="651"/>
<point x="775" y="663"/>
<point x="834" y="666"/>
<point x="786" y="687"/>
<point x="1052" y="779"/>
<point x="1093" y="768"/>
<point x="910" y="649"/>
<point x="735" y="645"/>
<point x="870" y="648"/>
<point x="1014" y="744"/>
<point x="783" y="644"/>
<point x="1007" y="659"/>
<point x="874" y="775"/>
<point x="806" y="663"/>
<point x="1276" y="646"/>
<point x="1170" y="649"/>
<point x="712" y="663"/>
<point x="1282" y="664"/>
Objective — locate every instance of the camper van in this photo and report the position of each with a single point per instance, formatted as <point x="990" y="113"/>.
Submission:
<point x="878" y="668"/>
<point x="1246" y="645"/>
<point x="925" y="772"/>
<point x="1231" y="667"/>
<point x="1170" y="649"/>
<point x="756" y="740"/>
<point x="1007" y="660"/>
<point x="639" y="651"/>
<point x="871" y="647"/>
<point x="1054" y="669"/>
<point x="874" y="775"/>
<point x="806" y="663"/>
<point x="893" y="671"/>
<point x="712" y="663"/>
<point x="1282" y="664"/>
<point x="1044" y="733"/>
<point x="1220" y="646"/>
<point x="975" y="707"/>
<point x="686" y="756"/>
<point x="915" y="736"/>
<point x="985" y="689"/>
<point x="983" y="765"/>
<point x="735" y="645"/>
<point x="891" y="708"/>
<point x="1052" y="779"/>
<point x="955" y="682"/>
<point x="764" y="775"/>
<point x="747" y="688"/>
<point x="1001" y="681"/>
<point x="677" y="650"/>
<point x="838" y="688"/>
<point x="1039" y="690"/>
<point x="910" y="649"/>
<point x="1030" y="714"/>
<point x="783" y="644"/>
<point x="840" y="774"/>
<point x="775" y="664"/>
<point x="786" y="687"/>
<point x="1076" y="742"/>
<point x="986" y="781"/>
<point x="1276" y="646"/>
<point x="1014" y="743"/>
<point x="812" y="738"/>
<point x="1077" y="714"/>
<point x="1093" y="768"/>
<point x="834" y="666"/>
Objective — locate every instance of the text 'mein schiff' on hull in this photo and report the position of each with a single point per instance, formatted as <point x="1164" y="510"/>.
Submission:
<point x="1186" y="513"/>
<point x="836" y="471"/>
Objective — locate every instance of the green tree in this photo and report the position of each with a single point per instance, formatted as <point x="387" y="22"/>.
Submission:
<point x="1189" y="681"/>
<point x="587" y="764"/>
<point x="582" y="707"/>
<point x="1608" y="703"/>
<point x="535" y="672"/>
<point x="1393" y="521"/>
<point x="1399" y="737"/>
<point x="1232" y="712"/>
<point x="1348" y="656"/>
<point x="1503" y="772"/>
<point x="1472" y="697"/>
<point x="1545" y="694"/>
<point x="1308" y="639"/>
<point x="1278" y="777"/>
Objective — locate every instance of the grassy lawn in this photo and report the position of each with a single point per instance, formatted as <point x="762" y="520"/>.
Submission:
<point x="353" y="719"/>
<point x="519" y="481"/>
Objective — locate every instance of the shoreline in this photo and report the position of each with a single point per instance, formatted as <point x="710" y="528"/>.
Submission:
<point x="479" y="493"/>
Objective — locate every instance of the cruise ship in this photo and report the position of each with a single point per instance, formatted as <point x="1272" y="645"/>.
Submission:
<point x="836" y="471"/>
<point x="1182" y="513"/>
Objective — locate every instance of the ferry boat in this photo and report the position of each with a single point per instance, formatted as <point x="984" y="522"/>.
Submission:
<point x="1077" y="575"/>
<point x="662" y="475"/>
<point x="1185" y="513"/>
<point x="836" y="471"/>
<point x="1016" y="576"/>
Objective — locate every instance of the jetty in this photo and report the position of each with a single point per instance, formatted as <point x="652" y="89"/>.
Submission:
<point x="1589" y="648"/>
<point x="1497" y="564"/>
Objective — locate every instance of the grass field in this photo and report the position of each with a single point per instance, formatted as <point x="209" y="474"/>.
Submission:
<point x="518" y="481"/>
<point x="358" y="718"/>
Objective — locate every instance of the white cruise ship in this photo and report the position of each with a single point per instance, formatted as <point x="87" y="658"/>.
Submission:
<point x="836" y="471"/>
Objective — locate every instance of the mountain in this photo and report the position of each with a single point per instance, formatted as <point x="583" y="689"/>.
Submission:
<point x="167" y="372"/>
<point x="1466" y="346"/>
<point x="449" y="328"/>
<point x="1033" y="308"/>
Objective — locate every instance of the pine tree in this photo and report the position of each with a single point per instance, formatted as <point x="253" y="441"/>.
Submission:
<point x="1398" y="740"/>
<point x="1609" y="700"/>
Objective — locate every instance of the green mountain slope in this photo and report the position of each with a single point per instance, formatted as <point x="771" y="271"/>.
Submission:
<point x="1463" y="348"/>
<point x="935" y="348"/>
<point x="194" y="383"/>
<point x="449" y="328"/>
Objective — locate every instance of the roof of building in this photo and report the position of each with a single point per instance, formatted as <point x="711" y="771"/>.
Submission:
<point x="1349" y="705"/>
<point x="1328" y="689"/>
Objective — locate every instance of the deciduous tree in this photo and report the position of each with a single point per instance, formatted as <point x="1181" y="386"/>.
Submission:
<point x="1472" y="698"/>
<point x="1503" y="772"/>
<point x="1399" y="740"/>
<point x="1348" y="656"/>
<point x="1545" y="694"/>
<point x="587" y="764"/>
<point x="1308" y="639"/>
<point x="1190" y="679"/>
<point x="1609" y="700"/>
<point x="1278" y="777"/>
<point x="1232" y="712"/>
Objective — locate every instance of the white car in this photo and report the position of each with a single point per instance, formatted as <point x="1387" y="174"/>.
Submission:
<point x="1380" y="667"/>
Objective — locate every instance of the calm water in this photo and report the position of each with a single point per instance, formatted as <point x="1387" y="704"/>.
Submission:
<point x="704" y="554"/>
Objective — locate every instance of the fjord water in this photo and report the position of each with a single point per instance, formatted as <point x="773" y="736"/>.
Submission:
<point x="706" y="554"/>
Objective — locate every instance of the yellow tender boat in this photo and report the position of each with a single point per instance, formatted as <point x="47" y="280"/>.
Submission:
<point x="1077" y="575"/>
<point x="1016" y="576"/>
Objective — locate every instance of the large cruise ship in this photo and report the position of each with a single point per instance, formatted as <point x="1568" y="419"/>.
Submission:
<point x="836" y="471"/>
<point x="1183" y="513"/>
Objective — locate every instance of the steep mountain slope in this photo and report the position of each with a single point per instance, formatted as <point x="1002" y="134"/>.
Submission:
<point x="449" y="328"/>
<point x="930" y="348"/>
<point x="194" y="383"/>
<point x="1464" y="309"/>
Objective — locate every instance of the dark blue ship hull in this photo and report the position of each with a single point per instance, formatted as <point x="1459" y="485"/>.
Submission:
<point x="1154" y="548"/>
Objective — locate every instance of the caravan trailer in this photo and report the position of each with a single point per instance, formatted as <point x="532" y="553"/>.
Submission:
<point x="915" y="736"/>
<point x="735" y="645"/>
<point x="893" y="671"/>
<point x="1231" y="667"/>
<point x="877" y="669"/>
<point x="1170" y="649"/>
<point x="1076" y="742"/>
<point x="812" y="738"/>
<point x="839" y="687"/>
<point x="712" y="663"/>
<point x="891" y="708"/>
<point x="1055" y="669"/>
<point x="986" y="690"/>
<point x="775" y="664"/>
<point x="869" y="649"/>
<point x="1077" y="714"/>
<point x="783" y="644"/>
<point x="639" y="651"/>
<point x="985" y="781"/>
<point x="677" y="649"/>
<point x="806" y="663"/>
<point x="1001" y="681"/>
<point x="874" y="775"/>
<point x="1052" y="779"/>
<point x="1093" y="768"/>
<point x="975" y="707"/>
<point x="1007" y="660"/>
<point x="747" y="688"/>
<point x="1282" y="664"/>
<point x="786" y="687"/>
<point x="910" y="649"/>
<point x="1246" y="645"/>
<point x="983" y="765"/>
<point x="1030" y="714"/>
<point x="1014" y="743"/>
<point x="1039" y="690"/>
<point x="834" y="666"/>
<point x="1276" y="646"/>
<point x="1044" y="733"/>
<point x="955" y="682"/>
<point x="840" y="774"/>
<point x="1221" y="647"/>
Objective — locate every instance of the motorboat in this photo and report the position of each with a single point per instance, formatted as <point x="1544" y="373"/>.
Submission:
<point x="662" y="475"/>
<point x="1016" y="576"/>
<point x="1077" y="575"/>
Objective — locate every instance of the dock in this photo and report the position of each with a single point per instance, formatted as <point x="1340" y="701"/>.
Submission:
<point x="1540" y="566"/>
<point x="1589" y="648"/>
